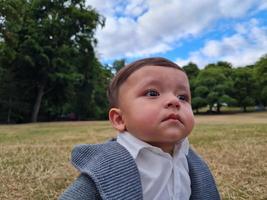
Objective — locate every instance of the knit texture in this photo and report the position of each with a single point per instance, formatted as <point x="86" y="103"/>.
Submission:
<point x="108" y="172"/>
<point x="83" y="188"/>
<point x="203" y="185"/>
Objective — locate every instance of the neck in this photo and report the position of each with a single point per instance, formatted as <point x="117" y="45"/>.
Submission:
<point x="167" y="148"/>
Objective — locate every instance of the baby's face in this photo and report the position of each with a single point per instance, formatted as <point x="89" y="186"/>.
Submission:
<point x="155" y="104"/>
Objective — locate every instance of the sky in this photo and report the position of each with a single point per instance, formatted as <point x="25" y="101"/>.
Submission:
<point x="201" y="32"/>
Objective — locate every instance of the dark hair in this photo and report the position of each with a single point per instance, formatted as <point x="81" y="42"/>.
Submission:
<point x="127" y="70"/>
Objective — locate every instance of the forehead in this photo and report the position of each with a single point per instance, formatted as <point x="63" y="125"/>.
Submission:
<point x="158" y="73"/>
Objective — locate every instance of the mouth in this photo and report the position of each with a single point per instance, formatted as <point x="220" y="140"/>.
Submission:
<point x="174" y="117"/>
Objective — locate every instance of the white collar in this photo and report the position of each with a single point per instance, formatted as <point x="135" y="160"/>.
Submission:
<point x="169" y="176"/>
<point x="135" y="145"/>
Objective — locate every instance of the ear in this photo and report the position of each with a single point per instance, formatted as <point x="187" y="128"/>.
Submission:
<point x="115" y="117"/>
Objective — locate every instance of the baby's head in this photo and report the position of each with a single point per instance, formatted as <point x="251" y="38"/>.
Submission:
<point x="150" y="98"/>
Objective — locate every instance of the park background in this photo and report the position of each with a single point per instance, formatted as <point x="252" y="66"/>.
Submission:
<point x="51" y="70"/>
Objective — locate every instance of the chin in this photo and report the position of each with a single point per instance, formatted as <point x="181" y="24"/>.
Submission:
<point x="175" y="137"/>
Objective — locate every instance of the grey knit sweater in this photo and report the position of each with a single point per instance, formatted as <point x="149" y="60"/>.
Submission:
<point x="109" y="172"/>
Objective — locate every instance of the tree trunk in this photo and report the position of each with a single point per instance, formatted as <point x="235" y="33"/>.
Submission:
<point x="9" y="111"/>
<point x="244" y="109"/>
<point x="37" y="103"/>
<point x="210" y="108"/>
<point x="218" y="108"/>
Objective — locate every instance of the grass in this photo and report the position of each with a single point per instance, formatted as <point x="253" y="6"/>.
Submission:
<point x="34" y="160"/>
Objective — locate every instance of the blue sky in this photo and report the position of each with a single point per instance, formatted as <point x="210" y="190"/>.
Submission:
<point x="202" y="32"/>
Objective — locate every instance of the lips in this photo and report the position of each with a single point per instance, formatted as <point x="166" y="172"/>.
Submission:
<point x="173" y="117"/>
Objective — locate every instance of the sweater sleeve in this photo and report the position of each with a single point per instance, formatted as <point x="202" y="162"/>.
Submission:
<point x="83" y="188"/>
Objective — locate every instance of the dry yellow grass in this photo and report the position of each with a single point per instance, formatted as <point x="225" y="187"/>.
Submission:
<point x="34" y="160"/>
<point x="235" y="147"/>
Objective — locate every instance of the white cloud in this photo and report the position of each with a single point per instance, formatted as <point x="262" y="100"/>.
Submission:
<point x="263" y="5"/>
<point x="145" y="27"/>
<point x="136" y="8"/>
<point x="242" y="48"/>
<point x="106" y="7"/>
<point x="230" y="8"/>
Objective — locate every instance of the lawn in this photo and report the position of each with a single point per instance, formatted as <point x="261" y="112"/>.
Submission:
<point x="35" y="164"/>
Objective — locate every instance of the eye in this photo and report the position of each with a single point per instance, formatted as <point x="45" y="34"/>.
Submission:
<point x="183" y="97"/>
<point x="151" y="93"/>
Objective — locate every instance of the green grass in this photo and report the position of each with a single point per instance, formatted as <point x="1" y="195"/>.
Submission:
<point x="35" y="164"/>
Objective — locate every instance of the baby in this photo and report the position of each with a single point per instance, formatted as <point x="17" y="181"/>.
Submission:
<point x="150" y="107"/>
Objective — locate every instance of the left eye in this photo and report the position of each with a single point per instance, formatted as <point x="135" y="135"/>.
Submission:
<point x="183" y="97"/>
<point x="152" y="93"/>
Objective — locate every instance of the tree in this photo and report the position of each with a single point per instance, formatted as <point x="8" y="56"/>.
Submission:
<point x="199" y="99"/>
<point x="218" y="84"/>
<point x="198" y="102"/>
<point x="261" y="77"/>
<point x="191" y="70"/>
<point x="44" y="37"/>
<point x="90" y="99"/>
<point x="264" y="95"/>
<point x="118" y="64"/>
<point x="224" y="64"/>
<point x="244" y="87"/>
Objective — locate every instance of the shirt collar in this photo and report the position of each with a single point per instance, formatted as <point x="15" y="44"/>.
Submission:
<point x="135" y="145"/>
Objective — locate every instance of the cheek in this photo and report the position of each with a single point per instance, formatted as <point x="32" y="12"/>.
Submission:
<point x="192" y="122"/>
<point x="144" y="119"/>
<point x="148" y="116"/>
<point x="190" y="119"/>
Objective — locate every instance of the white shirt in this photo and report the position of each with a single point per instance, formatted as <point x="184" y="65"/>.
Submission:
<point x="163" y="177"/>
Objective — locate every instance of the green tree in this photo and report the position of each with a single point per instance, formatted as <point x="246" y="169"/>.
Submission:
<point x="264" y="95"/>
<point x="43" y="38"/>
<point x="191" y="70"/>
<point x="199" y="99"/>
<point x="118" y="64"/>
<point x="90" y="99"/>
<point x="244" y="87"/>
<point x="261" y="77"/>
<point x="219" y="85"/>
<point x="224" y="64"/>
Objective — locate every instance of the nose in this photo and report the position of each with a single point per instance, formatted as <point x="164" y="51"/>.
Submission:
<point x="172" y="101"/>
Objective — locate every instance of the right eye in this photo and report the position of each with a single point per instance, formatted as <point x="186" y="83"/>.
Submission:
<point x="152" y="93"/>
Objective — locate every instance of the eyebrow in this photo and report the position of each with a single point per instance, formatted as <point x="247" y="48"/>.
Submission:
<point x="156" y="82"/>
<point x="152" y="82"/>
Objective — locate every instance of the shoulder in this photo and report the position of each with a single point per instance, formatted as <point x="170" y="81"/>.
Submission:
<point x="81" y="189"/>
<point x="203" y="185"/>
<point x="195" y="159"/>
<point x="109" y="168"/>
<point x="91" y="156"/>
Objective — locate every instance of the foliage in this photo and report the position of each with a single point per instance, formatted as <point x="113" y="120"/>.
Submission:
<point x="49" y="71"/>
<point x="118" y="64"/>
<point x="46" y="51"/>
<point x="219" y="84"/>
<point x="261" y="77"/>
<point x="191" y="70"/>
<point x="245" y="87"/>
